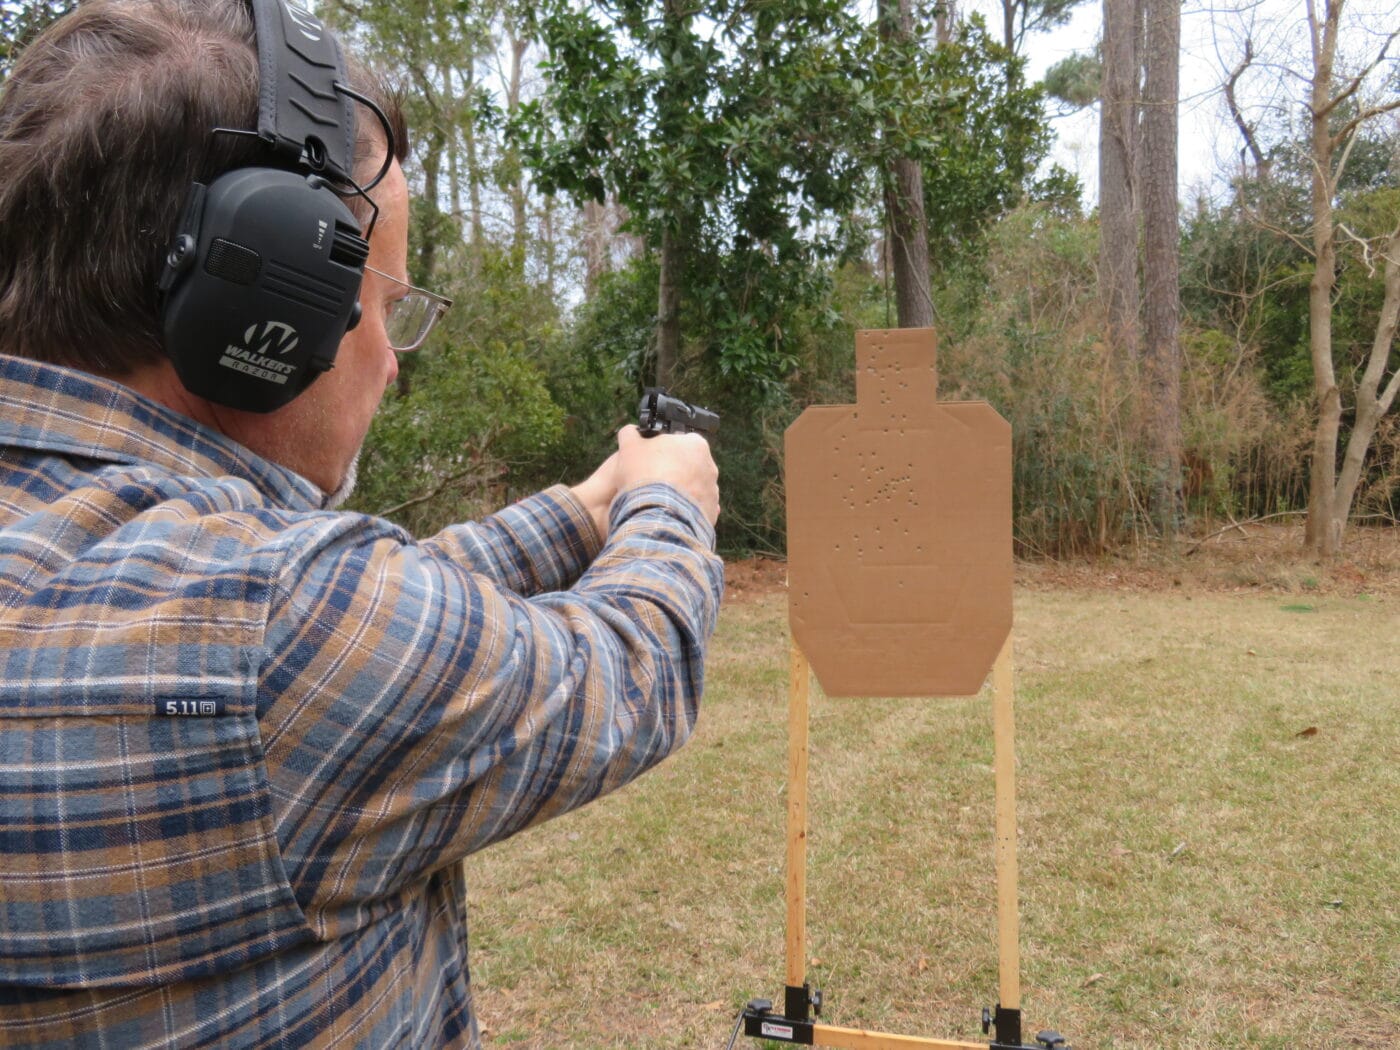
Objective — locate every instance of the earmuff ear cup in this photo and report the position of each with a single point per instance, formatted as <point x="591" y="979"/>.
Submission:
<point x="261" y="284"/>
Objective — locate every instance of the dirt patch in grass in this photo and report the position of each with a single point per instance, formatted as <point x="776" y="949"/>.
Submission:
<point x="750" y="579"/>
<point x="1266" y="557"/>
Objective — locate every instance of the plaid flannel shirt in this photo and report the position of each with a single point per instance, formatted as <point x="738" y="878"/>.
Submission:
<point x="244" y="741"/>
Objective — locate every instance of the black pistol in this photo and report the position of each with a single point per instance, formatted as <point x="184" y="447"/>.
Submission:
<point x="660" y="413"/>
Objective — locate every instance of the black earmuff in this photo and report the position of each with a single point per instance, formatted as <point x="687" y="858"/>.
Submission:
<point x="260" y="287"/>
<point x="262" y="280"/>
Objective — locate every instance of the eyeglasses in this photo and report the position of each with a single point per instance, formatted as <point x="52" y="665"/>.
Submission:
<point x="409" y="318"/>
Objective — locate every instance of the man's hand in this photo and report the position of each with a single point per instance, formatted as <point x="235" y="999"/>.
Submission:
<point x="680" y="460"/>
<point x="597" y="493"/>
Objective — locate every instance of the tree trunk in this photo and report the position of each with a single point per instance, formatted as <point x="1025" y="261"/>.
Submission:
<point x="945" y="21"/>
<point x="474" y="220"/>
<point x="1008" y="24"/>
<point x="1324" y="528"/>
<point x="549" y="249"/>
<point x="1371" y="402"/>
<point x="1118" y="204"/>
<point x="595" y="246"/>
<point x="519" y="219"/>
<point x="1161" y="250"/>
<point x="671" y="102"/>
<point x="668" y="309"/>
<point x="432" y="173"/>
<point x="904" y="204"/>
<point x="454" y="154"/>
<point x="427" y="248"/>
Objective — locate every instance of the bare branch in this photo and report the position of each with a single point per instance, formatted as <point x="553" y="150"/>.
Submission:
<point x="1348" y="131"/>
<point x="1240" y="525"/>
<point x="1367" y="250"/>
<point x="1300" y="240"/>
<point x="1336" y="100"/>
<point x="1388" y="397"/>
<point x="1246" y="129"/>
<point x="1317" y="36"/>
<point x="1385" y="328"/>
<point x="437" y="490"/>
<point x="1366" y="114"/>
<point x="1354" y="84"/>
<point x="1390" y="311"/>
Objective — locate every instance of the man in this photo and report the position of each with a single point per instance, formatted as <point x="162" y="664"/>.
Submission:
<point x="246" y="739"/>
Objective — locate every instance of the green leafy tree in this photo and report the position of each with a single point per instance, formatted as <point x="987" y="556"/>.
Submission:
<point x="472" y="419"/>
<point x="746" y="141"/>
<point x="992" y="137"/>
<point x="479" y="419"/>
<point x="741" y="137"/>
<point x="1075" y="80"/>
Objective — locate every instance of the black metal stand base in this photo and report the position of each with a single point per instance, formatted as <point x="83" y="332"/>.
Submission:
<point x="795" y="1025"/>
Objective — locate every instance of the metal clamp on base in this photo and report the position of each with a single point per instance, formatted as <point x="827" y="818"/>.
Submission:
<point x="794" y="1025"/>
<point x="761" y="1022"/>
<point x="1008" y="1025"/>
<point x="800" y="1003"/>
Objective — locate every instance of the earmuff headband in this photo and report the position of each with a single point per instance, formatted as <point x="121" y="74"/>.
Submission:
<point x="299" y="106"/>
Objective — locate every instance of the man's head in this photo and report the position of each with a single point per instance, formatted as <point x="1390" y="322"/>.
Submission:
<point x="106" y="122"/>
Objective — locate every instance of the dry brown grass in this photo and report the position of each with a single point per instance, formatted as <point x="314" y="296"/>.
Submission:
<point x="1199" y="867"/>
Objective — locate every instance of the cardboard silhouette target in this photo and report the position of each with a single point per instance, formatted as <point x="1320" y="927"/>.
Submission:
<point x="899" y="584"/>
<point x="899" y="530"/>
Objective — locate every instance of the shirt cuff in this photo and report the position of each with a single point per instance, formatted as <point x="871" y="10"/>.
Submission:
<point x="658" y="495"/>
<point x="570" y="536"/>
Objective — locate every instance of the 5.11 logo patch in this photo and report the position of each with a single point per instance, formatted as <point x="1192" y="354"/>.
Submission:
<point x="190" y="708"/>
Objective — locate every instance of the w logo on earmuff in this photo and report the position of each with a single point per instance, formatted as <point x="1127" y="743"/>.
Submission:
<point x="270" y="337"/>
<point x="255" y="357"/>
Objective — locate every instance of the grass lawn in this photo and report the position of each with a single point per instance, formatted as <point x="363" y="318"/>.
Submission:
<point x="1209" y="802"/>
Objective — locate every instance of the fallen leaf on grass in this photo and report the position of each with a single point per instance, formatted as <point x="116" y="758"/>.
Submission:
<point x="718" y="1004"/>
<point x="923" y="963"/>
<point x="1093" y="980"/>
<point x="1310" y="731"/>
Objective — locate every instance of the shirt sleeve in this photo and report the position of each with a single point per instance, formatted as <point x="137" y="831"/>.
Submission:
<point x="540" y="544"/>
<point x="415" y="709"/>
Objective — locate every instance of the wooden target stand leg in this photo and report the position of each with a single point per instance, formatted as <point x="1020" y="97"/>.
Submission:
<point x="795" y="1023"/>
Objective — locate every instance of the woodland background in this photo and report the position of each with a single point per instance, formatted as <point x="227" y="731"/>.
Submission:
<point x="715" y="194"/>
